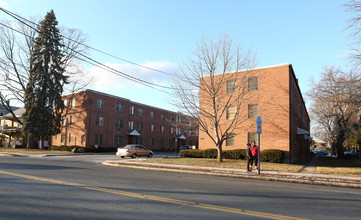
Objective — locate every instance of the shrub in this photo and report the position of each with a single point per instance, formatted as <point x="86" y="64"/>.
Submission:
<point x="100" y="149"/>
<point x="272" y="155"/>
<point x="78" y="149"/>
<point x="269" y="155"/>
<point x="61" y="148"/>
<point x="212" y="153"/>
<point x="234" y="154"/>
<point x="192" y="153"/>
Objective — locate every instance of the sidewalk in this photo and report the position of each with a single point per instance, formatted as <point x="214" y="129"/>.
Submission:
<point x="307" y="176"/>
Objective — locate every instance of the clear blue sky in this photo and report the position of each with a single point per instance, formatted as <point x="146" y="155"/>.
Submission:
<point x="162" y="34"/>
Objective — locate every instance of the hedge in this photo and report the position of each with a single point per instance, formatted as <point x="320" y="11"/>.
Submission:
<point x="212" y="153"/>
<point x="61" y="148"/>
<point x="78" y="149"/>
<point x="272" y="155"/>
<point x="269" y="155"/>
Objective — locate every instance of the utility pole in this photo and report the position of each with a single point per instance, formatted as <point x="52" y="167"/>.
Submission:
<point x="259" y="131"/>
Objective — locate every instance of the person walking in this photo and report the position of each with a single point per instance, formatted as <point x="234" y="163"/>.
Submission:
<point x="254" y="152"/>
<point x="248" y="157"/>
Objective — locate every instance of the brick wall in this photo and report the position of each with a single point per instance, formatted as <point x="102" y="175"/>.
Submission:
<point x="95" y="121"/>
<point x="282" y="109"/>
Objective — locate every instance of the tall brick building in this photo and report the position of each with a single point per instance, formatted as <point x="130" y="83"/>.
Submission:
<point x="274" y="94"/>
<point x="94" y="118"/>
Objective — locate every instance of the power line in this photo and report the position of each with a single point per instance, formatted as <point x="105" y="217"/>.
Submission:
<point x="105" y="67"/>
<point x="17" y="17"/>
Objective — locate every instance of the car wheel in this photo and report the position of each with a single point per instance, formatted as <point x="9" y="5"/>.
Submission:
<point x="122" y="156"/>
<point x="150" y="155"/>
<point x="134" y="156"/>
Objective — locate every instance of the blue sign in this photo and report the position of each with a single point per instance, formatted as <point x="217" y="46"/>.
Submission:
<point x="259" y="125"/>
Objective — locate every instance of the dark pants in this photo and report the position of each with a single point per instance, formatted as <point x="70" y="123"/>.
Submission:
<point x="255" y="159"/>
<point x="250" y="162"/>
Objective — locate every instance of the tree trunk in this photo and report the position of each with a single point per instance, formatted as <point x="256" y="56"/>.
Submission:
<point x="41" y="143"/>
<point x="333" y="148"/>
<point x="30" y="142"/>
<point x="220" y="155"/>
<point x="339" y="145"/>
<point x="340" y="137"/>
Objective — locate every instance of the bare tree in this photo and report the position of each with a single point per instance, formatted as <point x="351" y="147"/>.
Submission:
<point x="16" y="42"/>
<point x="336" y="104"/>
<point x="353" y="7"/>
<point x="210" y="88"/>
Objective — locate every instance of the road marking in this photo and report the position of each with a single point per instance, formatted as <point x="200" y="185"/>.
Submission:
<point x="155" y="198"/>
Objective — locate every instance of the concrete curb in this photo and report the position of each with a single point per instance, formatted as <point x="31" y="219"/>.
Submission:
<point x="327" y="180"/>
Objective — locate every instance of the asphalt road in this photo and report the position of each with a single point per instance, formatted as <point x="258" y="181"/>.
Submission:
<point x="78" y="187"/>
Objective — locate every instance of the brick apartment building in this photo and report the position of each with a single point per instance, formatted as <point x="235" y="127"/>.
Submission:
<point x="94" y="118"/>
<point x="276" y="97"/>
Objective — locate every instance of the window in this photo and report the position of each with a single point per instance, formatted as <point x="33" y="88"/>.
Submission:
<point x="72" y="120"/>
<point x="252" y="136"/>
<point x="139" y="126"/>
<point x="118" y="140"/>
<point x="99" y="121"/>
<point x="253" y="84"/>
<point x="252" y="110"/>
<point x="64" y="121"/>
<point x="151" y="142"/>
<point x="100" y="103"/>
<point x="71" y="138"/>
<point x="151" y="128"/>
<point x="231" y="140"/>
<point x="231" y="86"/>
<point x="162" y="129"/>
<point x="65" y="103"/>
<point x="231" y="112"/>
<point x="139" y="140"/>
<point x="63" y="138"/>
<point x="131" y="110"/>
<point x="119" y="107"/>
<point x="140" y="112"/>
<point x="171" y="143"/>
<point x="131" y="124"/>
<point x="98" y="139"/>
<point x="178" y="119"/>
<point x="119" y="123"/>
<point x="161" y="142"/>
<point x="151" y="114"/>
<point x="162" y="116"/>
<point x="170" y="130"/>
<point x="73" y="102"/>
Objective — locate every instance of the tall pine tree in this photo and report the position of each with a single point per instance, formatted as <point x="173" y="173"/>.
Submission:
<point x="42" y="100"/>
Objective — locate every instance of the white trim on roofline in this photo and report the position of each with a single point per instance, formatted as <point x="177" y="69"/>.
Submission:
<point x="129" y="100"/>
<point x="256" y="68"/>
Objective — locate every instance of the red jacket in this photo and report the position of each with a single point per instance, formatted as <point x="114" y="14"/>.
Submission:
<point x="254" y="150"/>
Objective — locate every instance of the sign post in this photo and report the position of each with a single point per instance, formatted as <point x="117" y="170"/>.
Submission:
<point x="259" y="131"/>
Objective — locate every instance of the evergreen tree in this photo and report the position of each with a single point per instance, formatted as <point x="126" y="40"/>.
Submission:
<point x="42" y="100"/>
